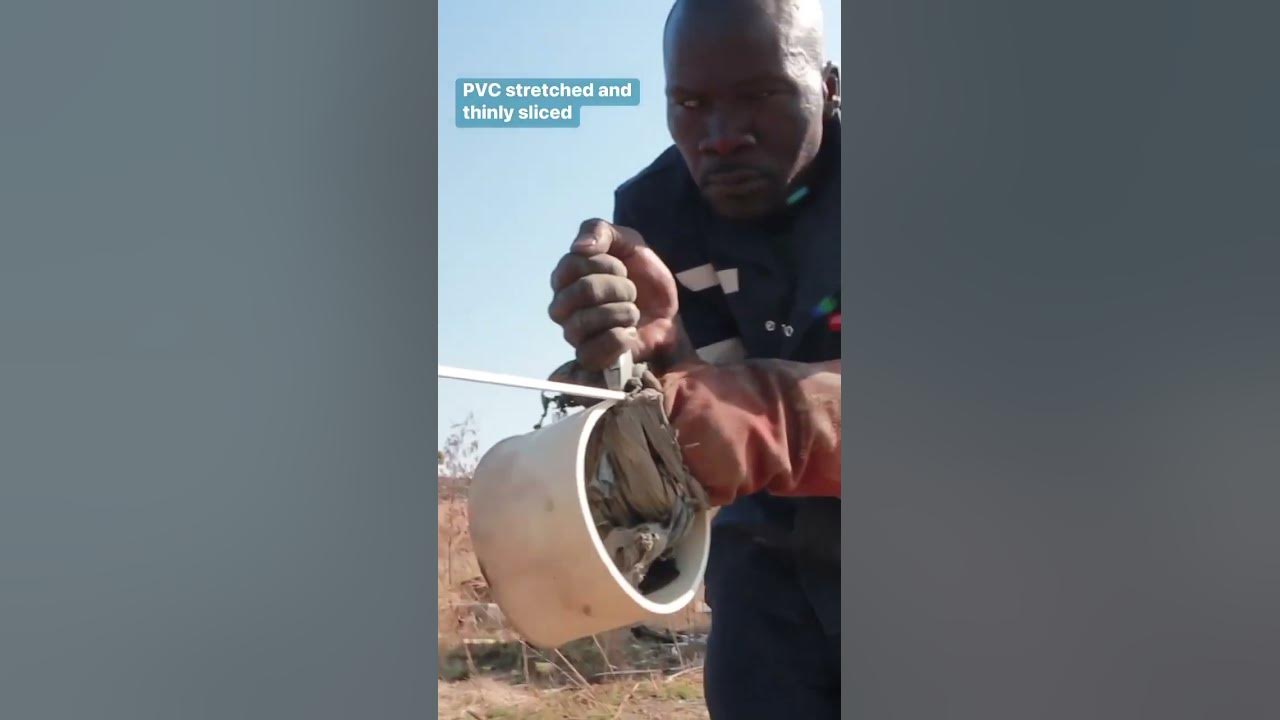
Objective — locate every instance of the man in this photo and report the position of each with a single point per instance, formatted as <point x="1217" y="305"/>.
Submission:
<point x="721" y="270"/>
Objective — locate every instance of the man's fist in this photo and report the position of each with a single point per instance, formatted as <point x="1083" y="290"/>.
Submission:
<point x="612" y="294"/>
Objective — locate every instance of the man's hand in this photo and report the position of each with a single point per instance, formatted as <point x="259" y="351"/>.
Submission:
<point x="613" y="294"/>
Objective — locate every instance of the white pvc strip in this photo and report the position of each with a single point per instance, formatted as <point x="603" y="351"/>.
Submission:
<point x="545" y="385"/>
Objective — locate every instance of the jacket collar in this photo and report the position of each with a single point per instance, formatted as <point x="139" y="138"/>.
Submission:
<point x="810" y="226"/>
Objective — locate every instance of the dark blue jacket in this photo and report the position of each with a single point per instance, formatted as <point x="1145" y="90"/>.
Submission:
<point x="757" y="290"/>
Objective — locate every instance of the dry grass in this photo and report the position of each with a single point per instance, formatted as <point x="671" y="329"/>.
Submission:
<point x="487" y="673"/>
<point x="485" y="699"/>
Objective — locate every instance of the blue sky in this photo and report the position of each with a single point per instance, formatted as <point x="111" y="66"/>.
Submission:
<point x="511" y="199"/>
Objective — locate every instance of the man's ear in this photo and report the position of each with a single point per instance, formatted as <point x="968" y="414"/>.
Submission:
<point x="830" y="89"/>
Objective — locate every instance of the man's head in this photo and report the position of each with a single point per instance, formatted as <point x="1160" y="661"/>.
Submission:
<point x="748" y="92"/>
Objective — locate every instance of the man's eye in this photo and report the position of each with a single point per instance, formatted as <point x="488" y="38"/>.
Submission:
<point x="688" y="103"/>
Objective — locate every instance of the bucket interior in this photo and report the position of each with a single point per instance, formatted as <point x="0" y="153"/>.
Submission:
<point x="670" y="583"/>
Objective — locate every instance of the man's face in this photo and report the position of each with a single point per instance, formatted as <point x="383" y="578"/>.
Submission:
<point x="745" y="109"/>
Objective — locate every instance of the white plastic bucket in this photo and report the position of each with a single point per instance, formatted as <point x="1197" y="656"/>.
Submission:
<point x="533" y="535"/>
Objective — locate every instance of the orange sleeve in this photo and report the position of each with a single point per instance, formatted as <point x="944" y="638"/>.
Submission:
<point x="760" y="425"/>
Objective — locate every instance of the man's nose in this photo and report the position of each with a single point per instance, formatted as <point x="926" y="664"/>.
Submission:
<point x="726" y="138"/>
<point x="727" y="144"/>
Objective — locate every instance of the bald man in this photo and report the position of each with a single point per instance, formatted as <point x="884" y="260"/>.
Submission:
<point x="721" y="270"/>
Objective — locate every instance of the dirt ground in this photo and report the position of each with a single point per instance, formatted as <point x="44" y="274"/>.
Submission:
<point x="651" y="699"/>
<point x="487" y="673"/>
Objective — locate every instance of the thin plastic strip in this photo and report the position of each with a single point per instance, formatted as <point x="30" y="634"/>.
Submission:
<point x="481" y="376"/>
